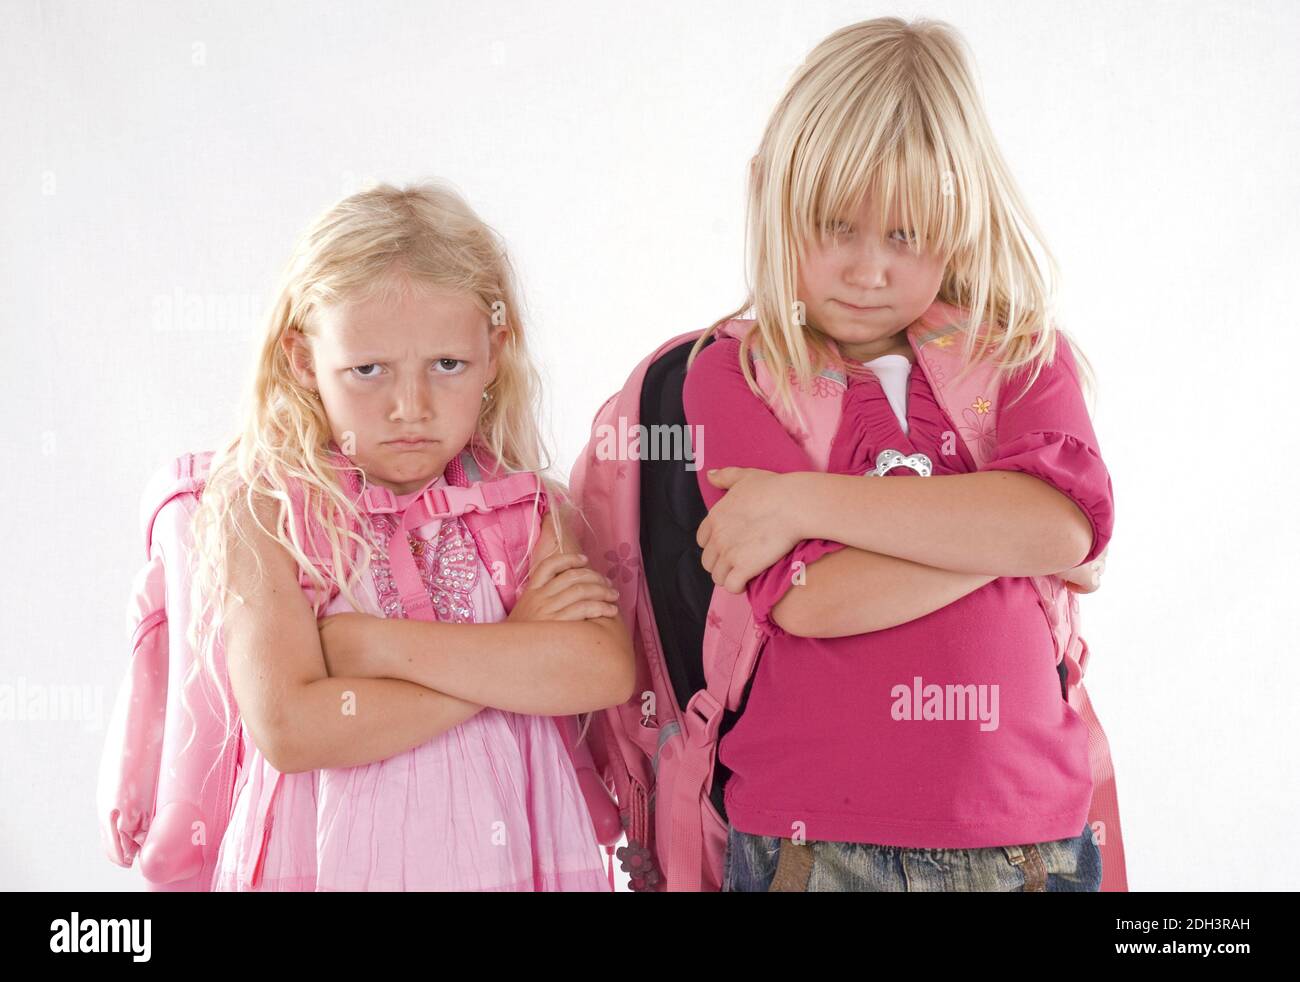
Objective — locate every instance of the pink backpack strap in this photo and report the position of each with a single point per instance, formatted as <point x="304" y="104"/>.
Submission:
<point x="517" y="503"/>
<point x="443" y="503"/>
<point x="636" y="744"/>
<point x="186" y="474"/>
<point x="967" y="398"/>
<point x="820" y="403"/>
<point x="690" y="838"/>
<point x="474" y="501"/>
<point x="731" y="647"/>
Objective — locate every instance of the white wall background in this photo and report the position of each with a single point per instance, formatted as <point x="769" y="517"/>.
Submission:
<point x="174" y="150"/>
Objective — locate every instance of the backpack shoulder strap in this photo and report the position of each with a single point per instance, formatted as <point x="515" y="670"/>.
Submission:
<point x="966" y="395"/>
<point x="819" y="404"/>
<point x="732" y="642"/>
<point x="505" y="520"/>
<point x="185" y="474"/>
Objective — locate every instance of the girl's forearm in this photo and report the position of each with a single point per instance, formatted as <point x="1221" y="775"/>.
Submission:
<point x="549" y="668"/>
<point x="852" y="591"/>
<point x="345" y="722"/>
<point x="995" y="523"/>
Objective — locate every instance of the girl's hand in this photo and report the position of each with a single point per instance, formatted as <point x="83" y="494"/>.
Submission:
<point x="750" y="527"/>
<point x="563" y="587"/>
<point x="343" y="641"/>
<point x="1085" y="578"/>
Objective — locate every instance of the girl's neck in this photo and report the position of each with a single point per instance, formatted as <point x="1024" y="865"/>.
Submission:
<point x="405" y="497"/>
<point x="897" y="345"/>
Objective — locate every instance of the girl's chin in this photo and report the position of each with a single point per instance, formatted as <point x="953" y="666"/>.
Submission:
<point x="406" y="476"/>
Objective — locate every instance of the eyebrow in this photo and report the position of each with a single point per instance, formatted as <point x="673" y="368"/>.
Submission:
<point x="366" y="357"/>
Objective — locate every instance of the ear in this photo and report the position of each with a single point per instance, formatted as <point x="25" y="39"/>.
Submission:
<point x="496" y="341"/>
<point x="298" y="352"/>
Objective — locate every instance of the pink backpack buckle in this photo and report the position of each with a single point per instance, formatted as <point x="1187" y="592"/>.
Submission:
<point x="703" y="707"/>
<point x="379" y="500"/>
<point x="451" y="500"/>
<point x="435" y="499"/>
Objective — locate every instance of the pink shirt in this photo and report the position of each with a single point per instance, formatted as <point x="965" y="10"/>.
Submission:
<point x="818" y="742"/>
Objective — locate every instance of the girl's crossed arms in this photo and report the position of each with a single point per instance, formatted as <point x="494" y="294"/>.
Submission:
<point x="562" y="650"/>
<point x="899" y="548"/>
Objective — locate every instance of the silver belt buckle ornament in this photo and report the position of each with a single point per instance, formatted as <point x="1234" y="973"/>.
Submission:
<point x="887" y="460"/>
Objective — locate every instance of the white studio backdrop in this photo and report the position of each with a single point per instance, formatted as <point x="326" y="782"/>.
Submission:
<point x="160" y="158"/>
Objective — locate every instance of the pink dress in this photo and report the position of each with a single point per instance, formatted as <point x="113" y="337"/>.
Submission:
<point x="491" y="804"/>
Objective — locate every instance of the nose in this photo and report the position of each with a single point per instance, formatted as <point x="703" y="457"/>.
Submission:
<point x="867" y="266"/>
<point x="412" y="401"/>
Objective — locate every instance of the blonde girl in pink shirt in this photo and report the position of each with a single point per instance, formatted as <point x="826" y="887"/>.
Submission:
<point x="878" y="190"/>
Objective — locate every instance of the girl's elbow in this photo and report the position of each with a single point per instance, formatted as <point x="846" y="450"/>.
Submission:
<point x="280" y="754"/>
<point x="626" y="688"/>
<point x="1055" y="554"/>
<point x="625" y="676"/>
<point x="278" y="740"/>
<point x="288" y="754"/>
<point x="1082" y="546"/>
<point x="790" y="616"/>
<point x="621" y="660"/>
<point x="1076" y="543"/>
<point x="1061" y="543"/>
<point x="785" y="620"/>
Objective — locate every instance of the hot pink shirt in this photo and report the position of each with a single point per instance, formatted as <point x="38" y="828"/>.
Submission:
<point x="818" y="742"/>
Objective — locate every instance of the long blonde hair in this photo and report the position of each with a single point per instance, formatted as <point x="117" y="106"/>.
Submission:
<point x="425" y="234"/>
<point x="892" y="105"/>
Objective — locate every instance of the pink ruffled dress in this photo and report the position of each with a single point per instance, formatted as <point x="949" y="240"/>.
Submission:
<point x="491" y="804"/>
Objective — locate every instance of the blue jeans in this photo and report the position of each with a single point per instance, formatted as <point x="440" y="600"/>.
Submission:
<point x="759" y="863"/>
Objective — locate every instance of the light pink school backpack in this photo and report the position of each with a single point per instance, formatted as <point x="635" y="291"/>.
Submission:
<point x="166" y="778"/>
<point x="697" y="646"/>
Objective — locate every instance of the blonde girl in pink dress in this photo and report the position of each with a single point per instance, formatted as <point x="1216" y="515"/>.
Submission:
<point x="381" y="752"/>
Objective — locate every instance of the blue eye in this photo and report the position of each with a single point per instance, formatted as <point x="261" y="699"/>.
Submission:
<point x="838" y="228"/>
<point x="454" y="362"/>
<point x="357" y="370"/>
<point x="907" y="236"/>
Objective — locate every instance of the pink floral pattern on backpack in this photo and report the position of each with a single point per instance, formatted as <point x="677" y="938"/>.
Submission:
<point x="622" y="562"/>
<point x="823" y="386"/>
<point x="979" y="427"/>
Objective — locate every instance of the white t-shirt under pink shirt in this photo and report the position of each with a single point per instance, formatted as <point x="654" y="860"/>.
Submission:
<point x="893" y="372"/>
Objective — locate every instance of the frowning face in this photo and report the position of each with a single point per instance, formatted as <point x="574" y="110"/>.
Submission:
<point x="409" y="366"/>
<point x="862" y="284"/>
